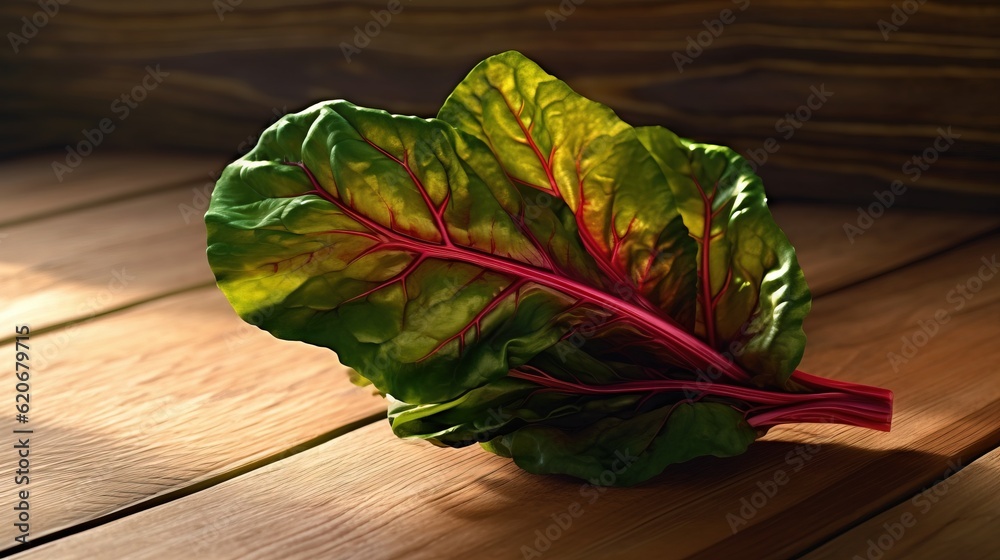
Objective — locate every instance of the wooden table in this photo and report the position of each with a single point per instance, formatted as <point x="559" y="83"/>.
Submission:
<point x="164" y="427"/>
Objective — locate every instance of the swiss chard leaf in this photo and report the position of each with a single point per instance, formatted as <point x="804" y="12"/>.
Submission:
<point x="392" y="240"/>
<point x="752" y="295"/>
<point x="531" y="273"/>
<point x="623" y="452"/>
<point x="399" y="242"/>
<point x="552" y="140"/>
<point x="741" y="291"/>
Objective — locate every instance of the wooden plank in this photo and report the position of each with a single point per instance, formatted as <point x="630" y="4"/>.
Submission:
<point x="832" y="258"/>
<point x="163" y="396"/>
<point x="955" y="518"/>
<point x="369" y="495"/>
<point x="79" y="265"/>
<point x="30" y="188"/>
<point x="68" y="261"/>
<point x="229" y="70"/>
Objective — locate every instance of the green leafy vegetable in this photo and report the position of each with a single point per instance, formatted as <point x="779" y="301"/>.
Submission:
<point x="529" y="272"/>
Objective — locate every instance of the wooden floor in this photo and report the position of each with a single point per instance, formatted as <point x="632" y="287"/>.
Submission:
<point x="164" y="427"/>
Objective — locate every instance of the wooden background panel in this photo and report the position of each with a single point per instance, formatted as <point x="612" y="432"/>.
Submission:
<point x="955" y="518"/>
<point x="164" y="396"/>
<point x="368" y="495"/>
<point x="227" y="78"/>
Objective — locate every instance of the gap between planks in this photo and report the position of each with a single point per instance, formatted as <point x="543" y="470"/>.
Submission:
<point x="71" y="268"/>
<point x="209" y="396"/>
<point x="956" y="517"/>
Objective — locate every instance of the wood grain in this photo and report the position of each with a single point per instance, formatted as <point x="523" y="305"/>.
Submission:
<point x="30" y="189"/>
<point x="56" y="265"/>
<point x="368" y="495"/>
<point x="77" y="266"/>
<point x="163" y="396"/>
<point x="955" y="518"/>
<point x="832" y="259"/>
<point x="229" y="74"/>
